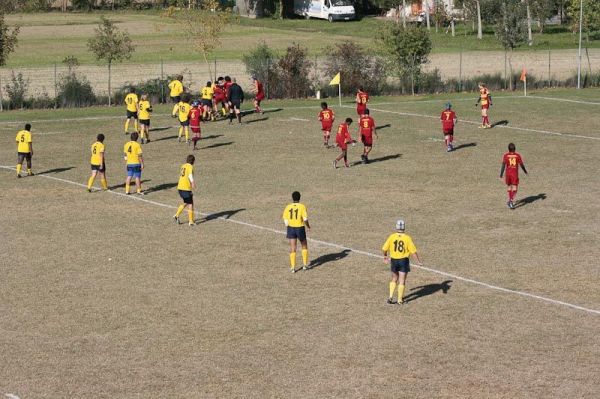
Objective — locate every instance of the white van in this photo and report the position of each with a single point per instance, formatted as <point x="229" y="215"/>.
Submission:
<point x="332" y="10"/>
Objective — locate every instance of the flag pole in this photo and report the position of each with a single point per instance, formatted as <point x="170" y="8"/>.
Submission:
<point x="340" y="89"/>
<point x="525" y="85"/>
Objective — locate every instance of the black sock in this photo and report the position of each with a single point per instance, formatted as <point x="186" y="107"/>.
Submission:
<point x="239" y="116"/>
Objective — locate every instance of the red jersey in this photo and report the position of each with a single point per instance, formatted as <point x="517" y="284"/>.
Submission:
<point x="484" y="97"/>
<point x="367" y="125"/>
<point x="343" y="137"/>
<point x="194" y="118"/>
<point x="219" y="93"/>
<point x="362" y="97"/>
<point x="226" y="87"/>
<point x="512" y="161"/>
<point x="326" y="117"/>
<point x="259" y="87"/>
<point x="447" y="118"/>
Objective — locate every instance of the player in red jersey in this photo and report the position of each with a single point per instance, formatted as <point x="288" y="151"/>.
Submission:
<point x="366" y="126"/>
<point x="226" y="87"/>
<point x="342" y="139"/>
<point x="259" y="94"/>
<point x="362" y="98"/>
<point x="448" y="119"/>
<point x="194" y="117"/>
<point x="326" y="116"/>
<point x="485" y="98"/>
<point x="219" y="97"/>
<point x="511" y="162"/>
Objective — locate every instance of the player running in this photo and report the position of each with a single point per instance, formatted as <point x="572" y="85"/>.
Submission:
<point x="397" y="250"/>
<point x="176" y="89"/>
<point x="327" y="117"/>
<point x="342" y="138"/>
<point x="185" y="186"/>
<point x="448" y="119"/>
<point x="367" y="129"/>
<point x="485" y="98"/>
<point x="259" y="92"/>
<point x="145" y="109"/>
<point x="135" y="163"/>
<point x="24" y="149"/>
<point x="362" y="98"/>
<point x="206" y="99"/>
<point x="295" y="218"/>
<point x="131" y="104"/>
<point x="235" y="94"/>
<point x="182" y="112"/>
<point x="195" y="116"/>
<point x="98" y="165"/>
<point x="511" y="162"/>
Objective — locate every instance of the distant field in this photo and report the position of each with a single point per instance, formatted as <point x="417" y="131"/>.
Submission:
<point x="105" y="297"/>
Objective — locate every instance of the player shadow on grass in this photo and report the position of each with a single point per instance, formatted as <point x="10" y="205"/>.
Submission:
<point x="266" y="118"/>
<point x="164" y="138"/>
<point x="217" y="145"/>
<point x="56" y="170"/>
<point x="160" y="129"/>
<point x="122" y="185"/>
<point x="428" y="289"/>
<point x="380" y="159"/>
<point x="503" y="122"/>
<point x="212" y="136"/>
<point x="221" y="215"/>
<point x="465" y="145"/>
<point x="383" y="126"/>
<point x="530" y="199"/>
<point x="160" y="187"/>
<point x="332" y="257"/>
<point x="268" y="111"/>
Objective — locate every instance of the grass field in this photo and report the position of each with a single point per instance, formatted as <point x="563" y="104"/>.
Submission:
<point x="104" y="296"/>
<point x="48" y="38"/>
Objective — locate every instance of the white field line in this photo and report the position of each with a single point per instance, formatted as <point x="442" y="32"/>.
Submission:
<point x="333" y="245"/>
<point x="567" y="100"/>
<point x="523" y="129"/>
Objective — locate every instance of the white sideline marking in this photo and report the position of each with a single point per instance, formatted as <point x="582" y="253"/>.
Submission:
<point x="11" y="396"/>
<point x="568" y="100"/>
<point x="299" y="119"/>
<point x="524" y="129"/>
<point x="332" y="245"/>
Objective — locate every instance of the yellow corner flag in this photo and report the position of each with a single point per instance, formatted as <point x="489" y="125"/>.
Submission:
<point x="335" y="80"/>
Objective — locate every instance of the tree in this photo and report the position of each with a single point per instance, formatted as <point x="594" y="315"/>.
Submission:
<point x="262" y="62"/>
<point x="8" y="43"/>
<point x="541" y="10"/>
<point x="110" y="44"/>
<point x="591" y="15"/>
<point x="203" y="27"/>
<point x="510" y="28"/>
<point x="407" y="49"/>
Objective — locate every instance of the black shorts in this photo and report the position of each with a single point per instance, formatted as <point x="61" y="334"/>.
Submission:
<point x="207" y="103"/>
<point x="145" y="122"/>
<point x="236" y="104"/>
<point x="296" y="232"/>
<point x="176" y="99"/>
<point x="97" y="167"/>
<point x="184" y="123"/>
<point x="186" y="196"/>
<point x="131" y="114"/>
<point x="23" y="155"/>
<point x="400" y="265"/>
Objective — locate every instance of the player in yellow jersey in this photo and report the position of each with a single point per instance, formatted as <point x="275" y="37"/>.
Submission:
<point x="207" y="94"/>
<point x="24" y="149"/>
<point x="182" y="112"/>
<point x="135" y="163"/>
<point x="98" y="164"/>
<point x="176" y="89"/>
<point x="145" y="109"/>
<point x="131" y="103"/>
<point x="397" y="250"/>
<point x="295" y="217"/>
<point x="185" y="186"/>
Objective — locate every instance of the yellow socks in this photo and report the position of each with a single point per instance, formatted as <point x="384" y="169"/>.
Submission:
<point x="392" y="288"/>
<point x="187" y="133"/>
<point x="191" y="216"/>
<point x="90" y="182"/>
<point x="104" y="183"/>
<point x="400" y="293"/>
<point x="126" y="188"/>
<point x="138" y="189"/>
<point x="19" y="166"/>
<point x="292" y="260"/>
<point x="137" y="126"/>
<point x="179" y="210"/>
<point x="180" y="132"/>
<point x="126" y="125"/>
<point x="29" y="171"/>
<point x="305" y="257"/>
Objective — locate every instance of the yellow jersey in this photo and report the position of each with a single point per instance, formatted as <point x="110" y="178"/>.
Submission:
<point x="97" y="151"/>
<point x="185" y="183"/>
<point x="295" y="215"/>
<point x="133" y="150"/>
<point x="399" y="245"/>
<point x="23" y="138"/>
<point x="145" y="109"/>
<point x="207" y="93"/>
<point x="131" y="100"/>
<point x="183" y="111"/>
<point x="176" y="88"/>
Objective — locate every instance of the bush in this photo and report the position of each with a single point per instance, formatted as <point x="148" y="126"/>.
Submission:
<point x="74" y="91"/>
<point x="262" y="63"/>
<point x="16" y="89"/>
<point x="431" y="82"/>
<point x="293" y="70"/>
<point x="357" y="68"/>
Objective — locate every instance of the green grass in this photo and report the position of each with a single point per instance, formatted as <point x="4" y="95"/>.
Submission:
<point x="104" y="296"/>
<point x="48" y="38"/>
